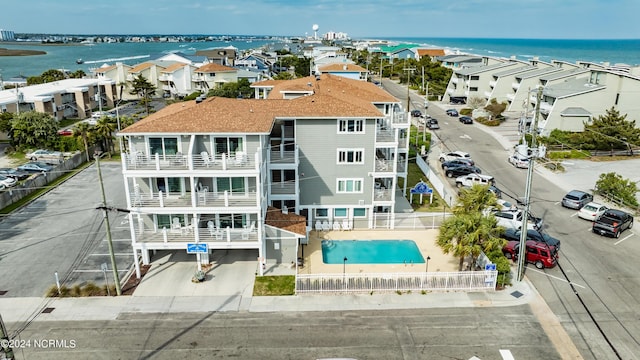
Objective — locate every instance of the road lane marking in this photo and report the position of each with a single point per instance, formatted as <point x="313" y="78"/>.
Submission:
<point x="506" y="355"/>
<point x="623" y="239"/>
<point x="574" y="214"/>
<point x="556" y="278"/>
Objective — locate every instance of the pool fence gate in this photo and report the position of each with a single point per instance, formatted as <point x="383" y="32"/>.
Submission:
<point x="396" y="282"/>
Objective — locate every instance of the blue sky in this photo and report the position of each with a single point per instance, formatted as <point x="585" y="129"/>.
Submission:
<point x="554" y="19"/>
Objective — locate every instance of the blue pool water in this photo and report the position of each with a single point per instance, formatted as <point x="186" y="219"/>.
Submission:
<point x="371" y="252"/>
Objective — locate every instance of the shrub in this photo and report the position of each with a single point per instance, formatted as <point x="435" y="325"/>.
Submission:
<point x="615" y="186"/>
<point x="466" y="111"/>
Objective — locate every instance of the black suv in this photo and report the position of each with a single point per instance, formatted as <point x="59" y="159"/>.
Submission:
<point x="416" y="113"/>
<point x="612" y="223"/>
<point x="461" y="170"/>
<point x="535" y="235"/>
<point x="433" y="124"/>
<point x="456" y="162"/>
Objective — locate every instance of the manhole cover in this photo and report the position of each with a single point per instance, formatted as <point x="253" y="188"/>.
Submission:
<point x="516" y="294"/>
<point x="2" y="292"/>
<point x="47" y="310"/>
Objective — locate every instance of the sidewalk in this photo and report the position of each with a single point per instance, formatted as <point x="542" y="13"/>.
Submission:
<point x="18" y="310"/>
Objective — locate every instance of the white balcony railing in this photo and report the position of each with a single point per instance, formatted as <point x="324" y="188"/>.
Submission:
<point x="283" y="188"/>
<point x="234" y="161"/>
<point x="189" y="199"/>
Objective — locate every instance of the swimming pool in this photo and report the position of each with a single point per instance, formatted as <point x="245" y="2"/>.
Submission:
<point x="371" y="252"/>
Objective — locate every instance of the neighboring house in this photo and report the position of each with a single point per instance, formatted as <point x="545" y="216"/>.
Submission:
<point x="254" y="62"/>
<point x="475" y="81"/>
<point x="568" y="105"/>
<point x="173" y="57"/>
<point x="117" y="73"/>
<point x="517" y="96"/>
<point x="261" y="173"/>
<point x="150" y="71"/>
<point x="430" y="53"/>
<point x="176" y="80"/>
<point x="225" y="56"/>
<point x="459" y="61"/>
<point x="351" y="71"/>
<point x="69" y="98"/>
<point x="212" y="76"/>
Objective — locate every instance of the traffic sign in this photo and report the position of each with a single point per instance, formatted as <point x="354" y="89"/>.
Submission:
<point x="197" y="248"/>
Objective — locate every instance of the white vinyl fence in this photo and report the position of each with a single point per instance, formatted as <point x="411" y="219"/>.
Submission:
<point x="392" y="282"/>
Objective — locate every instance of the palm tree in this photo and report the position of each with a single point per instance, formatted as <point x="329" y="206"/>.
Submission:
<point x="83" y="130"/>
<point x="470" y="230"/>
<point x="104" y="132"/>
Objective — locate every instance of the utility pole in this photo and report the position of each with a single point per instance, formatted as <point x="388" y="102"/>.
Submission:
<point x="527" y="192"/>
<point x="408" y="70"/>
<point x="116" y="277"/>
<point x="4" y="342"/>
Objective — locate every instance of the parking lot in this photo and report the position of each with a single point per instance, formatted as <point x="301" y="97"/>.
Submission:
<point x="62" y="232"/>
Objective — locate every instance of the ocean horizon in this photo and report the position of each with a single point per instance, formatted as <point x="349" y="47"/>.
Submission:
<point x="613" y="51"/>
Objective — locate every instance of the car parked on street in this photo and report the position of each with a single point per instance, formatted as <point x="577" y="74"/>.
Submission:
<point x="518" y="160"/>
<point x="539" y="254"/>
<point x="512" y="219"/>
<point x="612" y="223"/>
<point x="474" y="179"/>
<point x="6" y="182"/>
<point x="416" y="113"/>
<point x="35" y="166"/>
<point x="14" y="173"/>
<point x="456" y="162"/>
<point x="452" y="112"/>
<point x="576" y="199"/>
<point x="46" y="156"/>
<point x="465" y="119"/>
<point x="462" y="170"/>
<point x="432" y="124"/>
<point x="535" y="235"/>
<point x="592" y="211"/>
<point x="453" y="155"/>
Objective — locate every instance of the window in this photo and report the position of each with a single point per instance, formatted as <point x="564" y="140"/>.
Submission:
<point x="350" y="126"/>
<point x="350" y="156"/>
<point x="349" y="186"/>
<point x="233" y="185"/>
<point x="359" y="212"/>
<point x="341" y="212"/>
<point x="322" y="213"/>
<point x="227" y="145"/>
<point x="163" y="146"/>
<point x="475" y="77"/>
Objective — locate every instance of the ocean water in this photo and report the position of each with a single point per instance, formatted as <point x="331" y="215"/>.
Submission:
<point x="65" y="56"/>
<point x="625" y="51"/>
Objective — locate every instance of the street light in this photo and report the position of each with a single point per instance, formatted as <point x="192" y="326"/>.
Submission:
<point x="427" y="268"/>
<point x="344" y="266"/>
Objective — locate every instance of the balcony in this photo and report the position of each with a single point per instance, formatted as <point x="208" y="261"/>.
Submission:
<point x="384" y="165"/>
<point x="515" y="85"/>
<point x="186" y="199"/>
<point x="283" y="188"/>
<point x="454" y="80"/>
<point x="278" y="156"/>
<point x="383" y="195"/>
<point x="236" y="161"/>
<point x="402" y="143"/>
<point x="492" y="83"/>
<point x="165" y="77"/>
<point x="510" y="97"/>
<point x="385" y="136"/>
<point x="400" y="119"/>
<point x="545" y="107"/>
<point x="228" y="237"/>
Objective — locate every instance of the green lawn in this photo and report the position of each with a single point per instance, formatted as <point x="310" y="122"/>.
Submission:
<point x="414" y="176"/>
<point x="274" y="285"/>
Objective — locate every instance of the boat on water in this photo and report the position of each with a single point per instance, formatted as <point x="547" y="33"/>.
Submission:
<point x="79" y="61"/>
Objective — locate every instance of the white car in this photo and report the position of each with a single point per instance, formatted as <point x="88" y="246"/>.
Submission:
<point x="592" y="211"/>
<point x="519" y="161"/>
<point x="454" y="155"/>
<point x="46" y="156"/>
<point x="6" y="182"/>
<point x="513" y="219"/>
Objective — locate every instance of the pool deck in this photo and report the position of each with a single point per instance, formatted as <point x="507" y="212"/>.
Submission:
<point x="424" y="239"/>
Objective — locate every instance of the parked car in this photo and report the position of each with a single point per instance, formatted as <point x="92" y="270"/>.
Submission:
<point x="496" y="191"/>
<point x="539" y="254"/>
<point x="452" y="112"/>
<point x="65" y="132"/>
<point x="512" y="219"/>
<point x="416" y="113"/>
<point x="474" y="179"/>
<point x="14" y="173"/>
<point x="461" y="170"/>
<point x="466" y="119"/>
<point x="612" y="223"/>
<point x="504" y="205"/>
<point x="47" y="156"/>
<point x="576" y="199"/>
<point x="592" y="211"/>
<point x="454" y="155"/>
<point x="6" y="181"/>
<point x="432" y="124"/>
<point x="35" y="166"/>
<point x="456" y="162"/>
<point x="518" y="160"/>
<point x="535" y="235"/>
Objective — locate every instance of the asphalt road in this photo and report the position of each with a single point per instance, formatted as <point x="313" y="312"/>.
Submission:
<point x="63" y="232"/>
<point x="601" y="308"/>
<point x="456" y="333"/>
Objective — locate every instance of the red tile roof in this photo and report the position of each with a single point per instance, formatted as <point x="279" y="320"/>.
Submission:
<point x="173" y="67"/>
<point x="212" y="67"/>
<point x="140" y="67"/>
<point x="290" y="222"/>
<point x="431" y="52"/>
